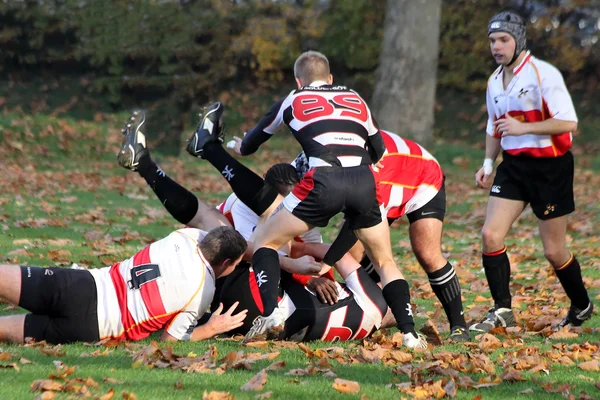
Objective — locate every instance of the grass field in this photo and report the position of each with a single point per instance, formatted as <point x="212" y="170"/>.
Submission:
<point x="63" y="199"/>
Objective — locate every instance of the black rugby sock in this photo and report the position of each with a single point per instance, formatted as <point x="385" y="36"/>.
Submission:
<point x="569" y="275"/>
<point x="250" y="188"/>
<point x="497" y="272"/>
<point x="397" y="295"/>
<point x="446" y="287"/>
<point x="178" y="201"/>
<point x="265" y="263"/>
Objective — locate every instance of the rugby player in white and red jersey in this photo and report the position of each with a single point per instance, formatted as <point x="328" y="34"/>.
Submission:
<point x="168" y="286"/>
<point x="531" y="118"/>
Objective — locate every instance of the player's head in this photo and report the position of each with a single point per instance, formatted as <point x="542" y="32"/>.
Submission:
<point x="508" y="37"/>
<point x="223" y="248"/>
<point x="282" y="177"/>
<point x="312" y="66"/>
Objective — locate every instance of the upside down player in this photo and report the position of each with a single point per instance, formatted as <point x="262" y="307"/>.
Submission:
<point x="359" y="307"/>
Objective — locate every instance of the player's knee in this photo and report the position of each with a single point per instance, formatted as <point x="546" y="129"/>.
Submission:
<point x="556" y="256"/>
<point x="492" y="240"/>
<point x="431" y="259"/>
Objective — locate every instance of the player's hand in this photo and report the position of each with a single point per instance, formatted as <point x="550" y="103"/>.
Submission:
<point x="236" y="145"/>
<point x="509" y="126"/>
<point x="326" y="289"/>
<point x="306" y="265"/>
<point x="481" y="179"/>
<point x="221" y="323"/>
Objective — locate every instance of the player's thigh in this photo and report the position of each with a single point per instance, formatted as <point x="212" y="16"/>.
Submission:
<point x="553" y="233"/>
<point x="499" y="217"/>
<point x="39" y="289"/>
<point x="279" y="229"/>
<point x="10" y="283"/>
<point x="11" y="328"/>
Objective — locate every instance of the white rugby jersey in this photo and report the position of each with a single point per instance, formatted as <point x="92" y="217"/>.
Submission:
<point x="244" y="220"/>
<point x="536" y="93"/>
<point x="168" y="285"/>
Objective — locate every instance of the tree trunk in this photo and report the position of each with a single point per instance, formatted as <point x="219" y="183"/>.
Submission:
<point x="404" y="95"/>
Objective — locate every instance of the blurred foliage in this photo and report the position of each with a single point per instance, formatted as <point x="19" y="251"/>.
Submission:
<point x="172" y="54"/>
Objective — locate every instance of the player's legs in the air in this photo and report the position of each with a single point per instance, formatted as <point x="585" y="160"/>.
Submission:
<point x="183" y="205"/>
<point x="206" y="143"/>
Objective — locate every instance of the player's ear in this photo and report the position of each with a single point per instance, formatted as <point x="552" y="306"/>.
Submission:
<point x="299" y="83"/>
<point x="330" y="81"/>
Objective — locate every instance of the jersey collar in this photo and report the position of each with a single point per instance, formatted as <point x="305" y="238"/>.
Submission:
<point x="519" y="67"/>
<point x="318" y="83"/>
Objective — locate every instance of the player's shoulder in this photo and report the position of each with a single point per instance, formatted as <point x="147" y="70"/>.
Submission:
<point x="188" y="236"/>
<point x="544" y="68"/>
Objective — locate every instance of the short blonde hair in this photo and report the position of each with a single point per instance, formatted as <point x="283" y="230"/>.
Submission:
<point x="311" y="66"/>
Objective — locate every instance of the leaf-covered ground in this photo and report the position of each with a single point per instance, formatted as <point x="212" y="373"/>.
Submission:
<point x="64" y="200"/>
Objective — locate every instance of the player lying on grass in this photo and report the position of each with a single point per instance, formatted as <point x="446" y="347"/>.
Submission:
<point x="168" y="285"/>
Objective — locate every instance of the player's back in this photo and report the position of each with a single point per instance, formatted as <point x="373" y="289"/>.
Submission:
<point x="331" y="123"/>
<point x="145" y="292"/>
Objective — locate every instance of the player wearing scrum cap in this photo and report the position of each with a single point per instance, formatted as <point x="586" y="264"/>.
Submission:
<point x="531" y="117"/>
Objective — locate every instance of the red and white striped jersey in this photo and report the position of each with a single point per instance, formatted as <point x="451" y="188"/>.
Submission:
<point x="168" y="285"/>
<point x="536" y="93"/>
<point x="244" y="220"/>
<point x="410" y="176"/>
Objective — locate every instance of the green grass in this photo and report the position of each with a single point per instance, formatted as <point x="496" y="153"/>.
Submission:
<point x="63" y="199"/>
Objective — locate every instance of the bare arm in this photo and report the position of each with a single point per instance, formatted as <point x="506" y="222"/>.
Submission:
<point x="217" y="323"/>
<point x="509" y="126"/>
<point x="492" y="149"/>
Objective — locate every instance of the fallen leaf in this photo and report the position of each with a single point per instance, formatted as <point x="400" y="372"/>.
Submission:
<point x="46" y="396"/>
<point x="345" y="386"/>
<point x="53" y="352"/>
<point x="592" y="365"/>
<point x="489" y="342"/>
<point x="450" y="388"/>
<point x="42" y="385"/>
<point x="257" y="382"/>
<point x="109" y="395"/>
<point x="25" y="361"/>
<point x="20" y="252"/>
<point x="561" y="335"/>
<point x="432" y="333"/>
<point x="265" y="395"/>
<point x="276" y="366"/>
<point x="512" y="375"/>
<point x="260" y="344"/>
<point x="128" y="396"/>
<point x="178" y="385"/>
<point x="526" y="391"/>
<point x="217" y="396"/>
